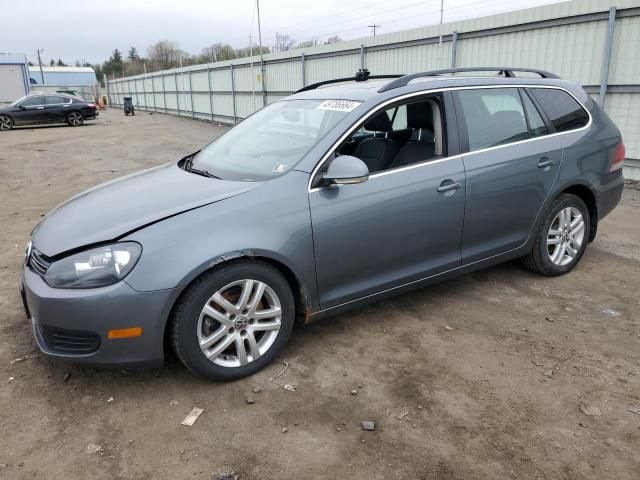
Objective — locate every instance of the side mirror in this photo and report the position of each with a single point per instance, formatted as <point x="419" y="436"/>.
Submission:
<point x="346" y="169"/>
<point x="22" y="107"/>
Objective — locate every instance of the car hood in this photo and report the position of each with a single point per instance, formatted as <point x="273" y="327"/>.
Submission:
<point x="115" y="208"/>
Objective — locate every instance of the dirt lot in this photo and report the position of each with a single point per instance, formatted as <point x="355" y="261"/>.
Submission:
<point x="482" y="377"/>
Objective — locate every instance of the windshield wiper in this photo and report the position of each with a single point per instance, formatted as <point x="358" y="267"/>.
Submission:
<point x="188" y="166"/>
<point x="204" y="173"/>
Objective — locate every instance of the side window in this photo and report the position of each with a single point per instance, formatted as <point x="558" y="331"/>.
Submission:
<point x="536" y="124"/>
<point x="55" y="100"/>
<point x="401" y="135"/>
<point x="400" y="118"/>
<point x="493" y="116"/>
<point x="33" y="101"/>
<point x="561" y="108"/>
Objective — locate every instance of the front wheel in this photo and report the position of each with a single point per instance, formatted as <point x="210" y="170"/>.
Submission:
<point x="561" y="238"/>
<point x="233" y="321"/>
<point x="6" y="123"/>
<point x="75" y="119"/>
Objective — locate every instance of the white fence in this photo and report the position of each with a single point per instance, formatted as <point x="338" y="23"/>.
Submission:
<point x="593" y="42"/>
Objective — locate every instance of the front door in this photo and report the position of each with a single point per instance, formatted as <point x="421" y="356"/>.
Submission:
<point x="31" y="110"/>
<point x="510" y="169"/>
<point x="395" y="228"/>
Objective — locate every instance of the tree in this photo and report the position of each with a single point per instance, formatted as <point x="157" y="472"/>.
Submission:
<point x="133" y="55"/>
<point x="61" y="63"/>
<point x="165" y="54"/>
<point x="249" y="51"/>
<point x="116" y="56"/>
<point x="309" y="43"/>
<point x="52" y="63"/>
<point x="283" y="43"/>
<point x="333" y="39"/>
<point x="218" y="52"/>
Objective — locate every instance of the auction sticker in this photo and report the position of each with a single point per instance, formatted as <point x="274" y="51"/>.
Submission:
<point x="338" y="105"/>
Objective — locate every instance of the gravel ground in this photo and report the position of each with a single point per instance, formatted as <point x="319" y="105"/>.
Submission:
<point x="496" y="374"/>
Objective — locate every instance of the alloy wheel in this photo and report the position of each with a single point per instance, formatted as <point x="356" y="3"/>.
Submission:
<point x="5" y="123"/>
<point x="75" y="119"/>
<point x="239" y="323"/>
<point x="565" y="236"/>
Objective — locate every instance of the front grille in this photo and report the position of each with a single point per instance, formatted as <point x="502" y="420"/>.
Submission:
<point x="69" y="341"/>
<point x="38" y="262"/>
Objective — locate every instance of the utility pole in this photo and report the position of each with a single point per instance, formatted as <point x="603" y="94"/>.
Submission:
<point x="264" y="93"/>
<point x="441" y="19"/>
<point x="40" y="63"/>
<point x="374" y="26"/>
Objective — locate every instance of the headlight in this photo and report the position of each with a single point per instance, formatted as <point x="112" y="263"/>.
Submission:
<point x="97" y="267"/>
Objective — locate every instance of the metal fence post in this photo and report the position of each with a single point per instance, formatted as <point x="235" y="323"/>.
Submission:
<point x="153" y="94"/>
<point x="263" y="71"/>
<point x="233" y="93"/>
<point x="362" y="57"/>
<point x="164" y="94"/>
<point x="193" y="109"/>
<point x="210" y="92"/>
<point x="606" y="56"/>
<point x="303" y="73"/>
<point x="144" y="95"/>
<point x="106" y="86"/>
<point x="175" y="79"/>
<point x="454" y="47"/>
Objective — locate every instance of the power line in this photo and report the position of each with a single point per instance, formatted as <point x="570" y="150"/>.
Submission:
<point x="373" y="27"/>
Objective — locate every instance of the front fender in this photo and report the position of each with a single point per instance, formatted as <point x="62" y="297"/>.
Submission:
<point x="272" y="222"/>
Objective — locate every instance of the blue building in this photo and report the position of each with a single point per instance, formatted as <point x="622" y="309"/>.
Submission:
<point x="63" y="76"/>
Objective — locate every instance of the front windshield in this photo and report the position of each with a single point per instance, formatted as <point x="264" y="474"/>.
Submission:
<point x="272" y="141"/>
<point x="16" y="102"/>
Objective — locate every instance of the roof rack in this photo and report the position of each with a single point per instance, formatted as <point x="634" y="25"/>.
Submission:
<point x="506" y="71"/>
<point x="361" y="75"/>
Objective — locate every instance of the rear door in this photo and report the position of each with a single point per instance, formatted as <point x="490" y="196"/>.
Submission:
<point x="510" y="168"/>
<point x="57" y="107"/>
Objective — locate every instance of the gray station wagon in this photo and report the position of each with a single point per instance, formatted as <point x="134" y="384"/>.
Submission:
<point x="344" y="193"/>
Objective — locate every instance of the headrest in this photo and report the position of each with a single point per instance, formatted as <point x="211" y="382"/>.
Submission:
<point x="422" y="135"/>
<point x="379" y="123"/>
<point x="420" y="115"/>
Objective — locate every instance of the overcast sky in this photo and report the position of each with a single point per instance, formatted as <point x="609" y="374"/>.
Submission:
<point x="90" y="30"/>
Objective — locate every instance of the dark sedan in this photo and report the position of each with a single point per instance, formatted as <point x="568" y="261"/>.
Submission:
<point x="47" y="108"/>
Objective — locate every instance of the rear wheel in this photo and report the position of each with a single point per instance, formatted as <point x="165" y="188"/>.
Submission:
<point x="6" y="123"/>
<point x="75" y="119"/>
<point x="562" y="237"/>
<point x="233" y="321"/>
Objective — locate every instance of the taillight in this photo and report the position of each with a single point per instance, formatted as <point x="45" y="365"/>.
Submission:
<point x="618" y="157"/>
<point x="91" y="105"/>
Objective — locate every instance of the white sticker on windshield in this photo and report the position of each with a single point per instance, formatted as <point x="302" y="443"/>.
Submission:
<point x="338" y="105"/>
<point x="280" y="168"/>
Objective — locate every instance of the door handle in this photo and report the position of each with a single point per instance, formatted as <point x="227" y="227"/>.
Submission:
<point x="545" y="162"/>
<point x="39" y="108"/>
<point x="448" y="185"/>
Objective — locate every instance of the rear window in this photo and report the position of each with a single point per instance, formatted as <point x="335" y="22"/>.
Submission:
<point x="564" y="112"/>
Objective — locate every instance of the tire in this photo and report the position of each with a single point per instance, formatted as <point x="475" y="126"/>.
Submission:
<point x="75" y="119"/>
<point x="198" y="318"/>
<point x="568" y="243"/>
<point x="6" y="123"/>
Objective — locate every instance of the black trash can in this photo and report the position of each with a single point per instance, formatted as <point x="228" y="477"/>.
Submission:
<point x="128" y="106"/>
